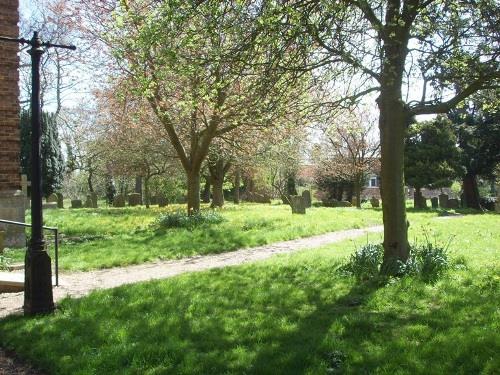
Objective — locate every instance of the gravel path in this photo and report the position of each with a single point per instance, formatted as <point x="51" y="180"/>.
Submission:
<point x="78" y="284"/>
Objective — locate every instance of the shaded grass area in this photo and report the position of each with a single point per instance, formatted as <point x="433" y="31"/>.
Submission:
<point x="293" y="314"/>
<point x="111" y="237"/>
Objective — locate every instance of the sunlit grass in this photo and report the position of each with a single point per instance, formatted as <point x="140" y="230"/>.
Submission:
<point x="104" y="238"/>
<point x="293" y="314"/>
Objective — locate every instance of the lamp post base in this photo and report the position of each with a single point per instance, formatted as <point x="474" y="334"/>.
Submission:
<point x="38" y="298"/>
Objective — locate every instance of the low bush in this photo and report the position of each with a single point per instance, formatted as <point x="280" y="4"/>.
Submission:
<point x="427" y="261"/>
<point x="181" y="219"/>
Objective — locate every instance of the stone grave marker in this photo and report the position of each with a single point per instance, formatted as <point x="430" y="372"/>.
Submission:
<point x="374" y="202"/>
<point x="298" y="204"/>
<point x="60" y="200"/>
<point x="49" y="206"/>
<point x="443" y="200"/>
<point x="76" y="203"/>
<point x="162" y="200"/>
<point x="435" y="202"/>
<point x="453" y="203"/>
<point x="88" y="202"/>
<point x="52" y="198"/>
<point x="134" y="199"/>
<point x="119" y="201"/>
<point x="306" y="194"/>
<point x="93" y="198"/>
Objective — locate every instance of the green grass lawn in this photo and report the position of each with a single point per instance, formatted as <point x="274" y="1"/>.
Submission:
<point x="293" y="314"/>
<point x="109" y="237"/>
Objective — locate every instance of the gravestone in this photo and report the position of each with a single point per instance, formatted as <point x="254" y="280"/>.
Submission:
<point x="354" y="201"/>
<point x="162" y="200"/>
<point x="134" y="199"/>
<point x="453" y="203"/>
<point x="93" y="198"/>
<point x="119" y="201"/>
<point x="60" y="200"/>
<point x="443" y="200"/>
<point x="24" y="187"/>
<point x="435" y="202"/>
<point x="306" y="194"/>
<point x="76" y="203"/>
<point x="298" y="204"/>
<point x="2" y="241"/>
<point x="52" y="198"/>
<point x="49" y="206"/>
<point x="88" y="202"/>
<point x="374" y="202"/>
<point x="343" y="204"/>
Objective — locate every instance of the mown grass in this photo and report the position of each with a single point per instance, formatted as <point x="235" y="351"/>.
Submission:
<point x="293" y="314"/>
<point x="104" y="238"/>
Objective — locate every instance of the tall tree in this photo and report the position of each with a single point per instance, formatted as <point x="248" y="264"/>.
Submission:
<point x="386" y="47"/>
<point x="202" y="67"/>
<point x="350" y="150"/>
<point x="52" y="159"/>
<point x="477" y="126"/>
<point x="431" y="156"/>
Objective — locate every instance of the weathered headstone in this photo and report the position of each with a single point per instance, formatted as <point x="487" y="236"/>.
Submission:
<point x="12" y="208"/>
<point x="374" y="202"/>
<point x="306" y="194"/>
<point x="76" y="203"/>
<point x="52" y="198"/>
<point x="453" y="203"/>
<point x="2" y="241"/>
<point x="435" y="202"/>
<point x="24" y="187"/>
<point x="443" y="200"/>
<point x="119" y="201"/>
<point x="49" y="206"/>
<point x="88" y="202"/>
<point x="298" y="204"/>
<point x="134" y="199"/>
<point x="162" y="200"/>
<point x="354" y="201"/>
<point x="93" y="198"/>
<point x="343" y="204"/>
<point x="60" y="200"/>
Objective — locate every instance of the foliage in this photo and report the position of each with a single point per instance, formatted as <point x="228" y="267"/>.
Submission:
<point x="431" y="155"/>
<point x="365" y="262"/>
<point x="477" y="129"/>
<point x="52" y="159"/>
<point x="4" y="262"/>
<point x="427" y="261"/>
<point x="180" y="219"/>
<point x="288" y="315"/>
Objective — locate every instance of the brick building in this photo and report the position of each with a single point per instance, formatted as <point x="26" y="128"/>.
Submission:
<point x="11" y="199"/>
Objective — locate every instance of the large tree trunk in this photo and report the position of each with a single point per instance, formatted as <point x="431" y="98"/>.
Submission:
<point x="237" y="178"/>
<point x="290" y="185"/>
<point x="205" y="195"/>
<point x="357" y="191"/>
<point x="193" y="196"/>
<point x="217" y="193"/>
<point x="217" y="173"/>
<point x="146" y="191"/>
<point x="392" y="125"/>
<point x="471" y="191"/>
<point x="89" y="181"/>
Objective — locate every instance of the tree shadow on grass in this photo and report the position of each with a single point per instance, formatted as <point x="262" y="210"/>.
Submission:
<point x="258" y="320"/>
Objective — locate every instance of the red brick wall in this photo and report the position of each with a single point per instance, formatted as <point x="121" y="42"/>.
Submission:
<point x="9" y="98"/>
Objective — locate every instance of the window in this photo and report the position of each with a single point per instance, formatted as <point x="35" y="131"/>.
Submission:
<point x="373" y="182"/>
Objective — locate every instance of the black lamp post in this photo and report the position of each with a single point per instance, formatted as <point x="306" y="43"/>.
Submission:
<point x="38" y="298"/>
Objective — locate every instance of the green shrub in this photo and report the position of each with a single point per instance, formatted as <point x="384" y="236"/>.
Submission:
<point x="365" y="262"/>
<point x="180" y="219"/>
<point x="4" y="262"/>
<point x="427" y="261"/>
